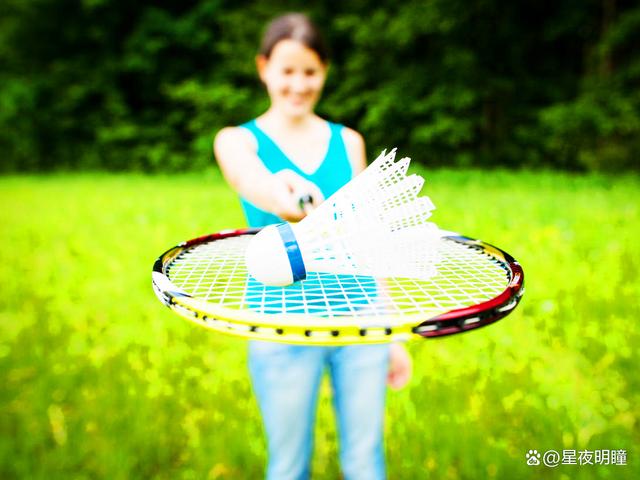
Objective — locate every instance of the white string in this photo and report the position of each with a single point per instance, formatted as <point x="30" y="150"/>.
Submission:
<point x="216" y="272"/>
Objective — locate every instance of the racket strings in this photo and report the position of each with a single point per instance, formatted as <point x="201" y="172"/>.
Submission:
<point x="215" y="272"/>
<point x="209" y="272"/>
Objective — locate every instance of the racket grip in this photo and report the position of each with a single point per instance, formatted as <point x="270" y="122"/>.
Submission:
<point x="306" y="203"/>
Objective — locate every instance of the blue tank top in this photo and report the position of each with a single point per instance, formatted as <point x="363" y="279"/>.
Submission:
<point x="334" y="171"/>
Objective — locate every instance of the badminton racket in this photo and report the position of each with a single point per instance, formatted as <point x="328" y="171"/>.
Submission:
<point x="205" y="280"/>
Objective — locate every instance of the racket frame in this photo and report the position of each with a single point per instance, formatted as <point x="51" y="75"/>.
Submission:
<point x="287" y="328"/>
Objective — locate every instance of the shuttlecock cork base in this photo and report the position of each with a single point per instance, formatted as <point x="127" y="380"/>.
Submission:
<point x="374" y="225"/>
<point x="274" y="258"/>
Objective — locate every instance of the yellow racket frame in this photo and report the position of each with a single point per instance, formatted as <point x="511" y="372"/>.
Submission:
<point x="311" y="330"/>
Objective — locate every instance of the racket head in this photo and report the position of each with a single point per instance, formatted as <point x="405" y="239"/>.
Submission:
<point x="205" y="281"/>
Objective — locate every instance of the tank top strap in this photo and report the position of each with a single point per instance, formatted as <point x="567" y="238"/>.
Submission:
<point x="271" y="155"/>
<point x="336" y="159"/>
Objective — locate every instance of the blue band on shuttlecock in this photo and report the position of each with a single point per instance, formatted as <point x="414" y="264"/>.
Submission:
<point x="293" y="251"/>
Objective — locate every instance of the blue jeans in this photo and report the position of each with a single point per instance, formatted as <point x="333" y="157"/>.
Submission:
<point x="286" y="379"/>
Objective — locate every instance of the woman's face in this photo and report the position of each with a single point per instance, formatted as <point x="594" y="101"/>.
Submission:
<point x="294" y="76"/>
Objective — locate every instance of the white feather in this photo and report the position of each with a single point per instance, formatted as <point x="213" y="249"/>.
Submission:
<point x="374" y="225"/>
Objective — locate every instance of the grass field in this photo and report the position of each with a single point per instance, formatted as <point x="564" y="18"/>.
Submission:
<point x="98" y="380"/>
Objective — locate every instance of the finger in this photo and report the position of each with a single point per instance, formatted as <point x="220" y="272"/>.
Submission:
<point x="394" y="382"/>
<point x="293" y="215"/>
<point x="398" y="379"/>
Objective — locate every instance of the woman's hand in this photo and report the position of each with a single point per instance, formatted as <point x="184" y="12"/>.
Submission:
<point x="400" y="366"/>
<point x="288" y="189"/>
<point x="279" y="193"/>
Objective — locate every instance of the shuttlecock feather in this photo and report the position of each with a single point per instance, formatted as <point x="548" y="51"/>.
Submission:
<point x="374" y="225"/>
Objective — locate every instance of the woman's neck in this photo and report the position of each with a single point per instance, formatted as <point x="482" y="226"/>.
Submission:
<point x="304" y="140"/>
<point x="285" y="123"/>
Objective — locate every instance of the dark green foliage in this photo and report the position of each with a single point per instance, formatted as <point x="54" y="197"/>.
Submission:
<point x="145" y="85"/>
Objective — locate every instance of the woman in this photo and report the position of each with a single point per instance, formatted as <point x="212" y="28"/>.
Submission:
<point x="272" y="161"/>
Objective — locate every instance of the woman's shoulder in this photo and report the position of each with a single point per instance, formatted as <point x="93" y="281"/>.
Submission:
<point x="351" y="137"/>
<point x="355" y="147"/>
<point x="234" y="136"/>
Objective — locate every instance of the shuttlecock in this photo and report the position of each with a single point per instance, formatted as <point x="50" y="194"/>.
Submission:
<point x="374" y="225"/>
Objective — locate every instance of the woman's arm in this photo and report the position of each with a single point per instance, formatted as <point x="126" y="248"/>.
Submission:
<point x="400" y="366"/>
<point x="235" y="150"/>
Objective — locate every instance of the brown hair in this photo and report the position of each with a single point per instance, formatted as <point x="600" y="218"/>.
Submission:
<point x="294" y="26"/>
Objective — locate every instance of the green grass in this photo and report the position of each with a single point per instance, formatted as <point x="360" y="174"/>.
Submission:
<point x="100" y="381"/>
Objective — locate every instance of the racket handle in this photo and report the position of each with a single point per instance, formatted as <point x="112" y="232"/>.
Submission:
<point x="306" y="203"/>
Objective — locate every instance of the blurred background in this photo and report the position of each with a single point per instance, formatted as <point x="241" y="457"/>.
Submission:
<point x="143" y="85"/>
<point x="524" y="118"/>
